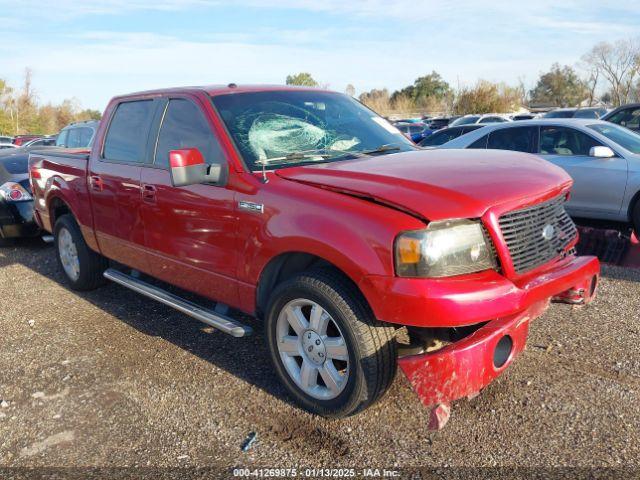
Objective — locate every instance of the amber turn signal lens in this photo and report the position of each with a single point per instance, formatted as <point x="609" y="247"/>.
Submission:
<point x="409" y="250"/>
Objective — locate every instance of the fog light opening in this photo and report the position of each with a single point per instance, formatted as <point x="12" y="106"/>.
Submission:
<point x="503" y="351"/>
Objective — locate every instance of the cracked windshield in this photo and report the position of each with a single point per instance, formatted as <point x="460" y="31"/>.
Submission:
<point x="299" y="127"/>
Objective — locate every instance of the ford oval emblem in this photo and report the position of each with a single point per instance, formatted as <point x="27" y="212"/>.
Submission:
<point x="548" y="232"/>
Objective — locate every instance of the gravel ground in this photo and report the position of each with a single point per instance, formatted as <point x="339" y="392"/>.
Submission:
<point x="108" y="378"/>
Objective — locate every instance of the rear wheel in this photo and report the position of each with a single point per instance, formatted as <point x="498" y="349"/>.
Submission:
<point x="82" y="266"/>
<point x="635" y="219"/>
<point x="328" y="349"/>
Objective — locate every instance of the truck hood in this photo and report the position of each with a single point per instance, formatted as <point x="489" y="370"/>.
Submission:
<point x="438" y="184"/>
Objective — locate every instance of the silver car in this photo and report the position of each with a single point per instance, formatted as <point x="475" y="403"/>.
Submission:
<point x="602" y="158"/>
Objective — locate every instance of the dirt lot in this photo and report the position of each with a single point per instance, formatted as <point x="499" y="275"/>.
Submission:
<point x="109" y="378"/>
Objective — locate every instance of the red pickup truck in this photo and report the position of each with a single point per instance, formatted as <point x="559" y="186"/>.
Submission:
<point x="357" y="249"/>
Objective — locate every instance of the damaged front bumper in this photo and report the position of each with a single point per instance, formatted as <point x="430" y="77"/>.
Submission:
<point x="463" y="368"/>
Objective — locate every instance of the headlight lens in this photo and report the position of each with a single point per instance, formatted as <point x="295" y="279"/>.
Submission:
<point x="444" y="249"/>
<point x="14" y="192"/>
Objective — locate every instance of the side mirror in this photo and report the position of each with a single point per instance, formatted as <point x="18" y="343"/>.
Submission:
<point x="601" y="152"/>
<point x="187" y="167"/>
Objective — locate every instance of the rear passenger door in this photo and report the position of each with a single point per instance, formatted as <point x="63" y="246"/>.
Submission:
<point x="114" y="181"/>
<point x="598" y="183"/>
<point x="191" y="232"/>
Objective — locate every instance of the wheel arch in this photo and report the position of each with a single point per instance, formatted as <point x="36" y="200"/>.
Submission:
<point x="632" y="204"/>
<point x="285" y="266"/>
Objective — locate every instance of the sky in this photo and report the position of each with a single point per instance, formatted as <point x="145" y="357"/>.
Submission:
<point x="92" y="50"/>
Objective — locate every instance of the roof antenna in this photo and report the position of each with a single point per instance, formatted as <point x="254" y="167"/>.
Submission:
<point x="264" y="172"/>
<point x="232" y="85"/>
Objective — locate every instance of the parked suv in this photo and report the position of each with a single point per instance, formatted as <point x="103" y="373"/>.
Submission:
<point x="304" y="208"/>
<point x="626" y="116"/>
<point x="77" y="135"/>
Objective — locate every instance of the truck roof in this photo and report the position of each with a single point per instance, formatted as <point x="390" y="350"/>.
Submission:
<point x="214" y="90"/>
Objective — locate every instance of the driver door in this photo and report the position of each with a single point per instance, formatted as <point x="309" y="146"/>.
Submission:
<point x="190" y="232"/>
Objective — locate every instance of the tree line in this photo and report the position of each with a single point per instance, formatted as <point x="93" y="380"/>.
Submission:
<point x="21" y="112"/>
<point x="609" y="73"/>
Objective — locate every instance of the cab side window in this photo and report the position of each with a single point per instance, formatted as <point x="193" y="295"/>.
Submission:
<point x="565" y="141"/>
<point x="126" y="139"/>
<point x="184" y="126"/>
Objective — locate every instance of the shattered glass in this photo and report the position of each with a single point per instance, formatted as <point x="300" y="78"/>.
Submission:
<point x="278" y="129"/>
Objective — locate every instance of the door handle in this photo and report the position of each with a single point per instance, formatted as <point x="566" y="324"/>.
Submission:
<point x="149" y="193"/>
<point x="96" y="183"/>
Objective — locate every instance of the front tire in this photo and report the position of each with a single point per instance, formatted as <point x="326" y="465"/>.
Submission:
<point x="327" y="347"/>
<point x="82" y="267"/>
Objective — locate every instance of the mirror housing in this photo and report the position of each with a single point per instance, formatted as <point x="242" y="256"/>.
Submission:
<point x="601" y="152"/>
<point x="187" y="167"/>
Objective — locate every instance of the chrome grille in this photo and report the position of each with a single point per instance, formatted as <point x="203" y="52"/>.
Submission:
<point x="523" y="233"/>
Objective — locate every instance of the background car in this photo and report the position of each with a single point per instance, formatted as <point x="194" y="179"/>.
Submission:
<point x="436" y="123"/>
<point x="16" y="203"/>
<point x="47" y="141"/>
<point x="77" y="134"/>
<point x="7" y="146"/>
<point x="588" y="112"/>
<point x="447" y="134"/>
<point x="626" y="115"/>
<point x="20" y="140"/>
<point x="602" y="158"/>
<point x="6" y="139"/>
<point x="523" y="116"/>
<point x="415" y="131"/>
<point x="485" y="118"/>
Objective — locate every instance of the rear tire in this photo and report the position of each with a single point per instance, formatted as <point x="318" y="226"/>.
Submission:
<point x="82" y="267"/>
<point x="635" y="219"/>
<point x="339" y="359"/>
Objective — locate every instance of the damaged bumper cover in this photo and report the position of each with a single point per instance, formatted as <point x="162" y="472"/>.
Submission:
<point x="463" y="368"/>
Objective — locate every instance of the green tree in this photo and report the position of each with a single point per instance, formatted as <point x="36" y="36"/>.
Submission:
<point x="425" y="90"/>
<point x="303" y="79"/>
<point x="560" y="86"/>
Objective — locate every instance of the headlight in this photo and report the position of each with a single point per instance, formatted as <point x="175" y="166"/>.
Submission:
<point x="14" y="192"/>
<point x="444" y="249"/>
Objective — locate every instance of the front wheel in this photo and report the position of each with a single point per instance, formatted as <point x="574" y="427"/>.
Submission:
<point x="328" y="349"/>
<point x="82" y="266"/>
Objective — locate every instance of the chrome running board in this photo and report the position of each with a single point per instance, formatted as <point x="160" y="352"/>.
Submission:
<point x="216" y="320"/>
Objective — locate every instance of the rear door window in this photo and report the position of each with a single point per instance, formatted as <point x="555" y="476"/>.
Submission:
<point x="79" y="137"/>
<point x="565" y="141"/>
<point x="480" y="143"/>
<point x="519" y="139"/>
<point x="128" y="132"/>
<point x="184" y="126"/>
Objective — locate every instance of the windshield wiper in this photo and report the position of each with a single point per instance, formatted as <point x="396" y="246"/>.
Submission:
<point x="381" y="149"/>
<point x="293" y="157"/>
